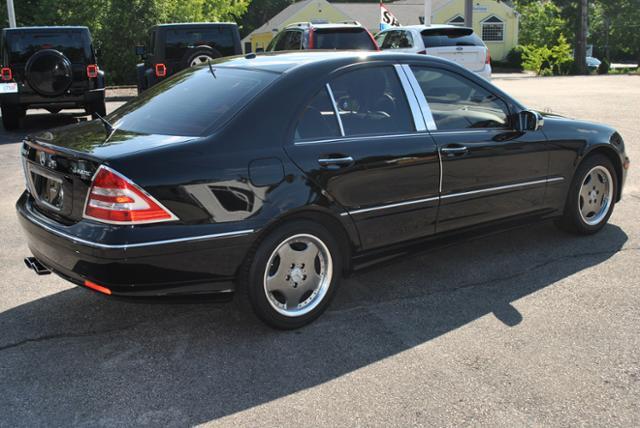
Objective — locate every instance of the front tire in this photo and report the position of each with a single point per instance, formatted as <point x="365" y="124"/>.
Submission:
<point x="293" y="274"/>
<point x="592" y="197"/>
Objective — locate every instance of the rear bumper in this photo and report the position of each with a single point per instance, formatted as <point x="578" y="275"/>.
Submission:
<point x="181" y="266"/>
<point x="33" y="100"/>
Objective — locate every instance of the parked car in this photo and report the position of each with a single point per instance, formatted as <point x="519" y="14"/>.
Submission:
<point x="458" y="44"/>
<point x="306" y="35"/>
<point x="593" y="63"/>
<point x="277" y="173"/>
<point x="173" y="47"/>
<point x="52" y="68"/>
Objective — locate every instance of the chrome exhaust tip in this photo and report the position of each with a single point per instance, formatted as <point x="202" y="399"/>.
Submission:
<point x="35" y="265"/>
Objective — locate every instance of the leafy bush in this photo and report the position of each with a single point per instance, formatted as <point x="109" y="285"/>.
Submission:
<point x="548" y="61"/>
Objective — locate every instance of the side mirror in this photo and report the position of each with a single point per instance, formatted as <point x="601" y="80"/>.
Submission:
<point x="140" y="50"/>
<point x="258" y="50"/>
<point x="529" y="120"/>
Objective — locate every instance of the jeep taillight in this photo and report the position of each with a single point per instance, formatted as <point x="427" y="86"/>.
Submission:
<point x="92" y="71"/>
<point x="115" y="199"/>
<point x="161" y="70"/>
<point x="7" y="74"/>
<point x="488" y="59"/>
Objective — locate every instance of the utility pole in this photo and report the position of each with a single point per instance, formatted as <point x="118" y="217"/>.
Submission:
<point x="580" y="56"/>
<point x="427" y="12"/>
<point x="12" y="14"/>
<point x="468" y="13"/>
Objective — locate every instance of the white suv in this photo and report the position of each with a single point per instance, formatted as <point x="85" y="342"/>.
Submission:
<point x="457" y="44"/>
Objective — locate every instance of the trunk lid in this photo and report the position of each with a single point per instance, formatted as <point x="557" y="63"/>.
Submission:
<point x="59" y="164"/>
<point x="458" y="44"/>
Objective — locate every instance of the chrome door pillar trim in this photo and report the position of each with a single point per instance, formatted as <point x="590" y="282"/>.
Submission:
<point x="418" y="117"/>
<point x="422" y="101"/>
<point x="384" y="207"/>
<point x="335" y="108"/>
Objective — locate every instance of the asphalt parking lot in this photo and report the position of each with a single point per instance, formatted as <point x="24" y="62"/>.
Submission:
<point x="525" y="327"/>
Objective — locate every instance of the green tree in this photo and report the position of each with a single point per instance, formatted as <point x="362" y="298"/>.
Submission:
<point x="541" y="22"/>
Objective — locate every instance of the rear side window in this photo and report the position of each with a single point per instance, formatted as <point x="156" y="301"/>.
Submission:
<point x="288" y="41"/>
<point x="397" y="39"/>
<point x="371" y="101"/>
<point x="343" y="38"/>
<point x="318" y="119"/>
<point x="73" y="44"/>
<point x="192" y="103"/>
<point x="178" y="41"/>
<point x="444" y="37"/>
<point x="457" y="103"/>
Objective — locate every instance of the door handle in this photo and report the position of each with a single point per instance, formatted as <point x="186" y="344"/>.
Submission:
<point x="336" y="162"/>
<point x="454" y="150"/>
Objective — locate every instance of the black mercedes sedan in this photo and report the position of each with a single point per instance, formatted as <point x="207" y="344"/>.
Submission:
<point x="276" y="174"/>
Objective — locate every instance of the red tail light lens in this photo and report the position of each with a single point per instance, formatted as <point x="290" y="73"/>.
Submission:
<point x="92" y="71"/>
<point x="373" y="40"/>
<point x="488" y="60"/>
<point x="161" y="70"/>
<point x="94" y="286"/>
<point x="7" y="74"/>
<point x="113" y="198"/>
<point x="311" y="36"/>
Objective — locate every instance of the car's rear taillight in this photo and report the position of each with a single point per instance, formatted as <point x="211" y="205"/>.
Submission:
<point x="92" y="71"/>
<point x="488" y="59"/>
<point x="373" y="40"/>
<point x="113" y="198"/>
<point x="311" y="36"/>
<point x="161" y="70"/>
<point x="7" y="74"/>
<point x="422" y="52"/>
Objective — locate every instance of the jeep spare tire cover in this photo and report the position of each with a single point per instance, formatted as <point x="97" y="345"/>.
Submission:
<point x="49" y="72"/>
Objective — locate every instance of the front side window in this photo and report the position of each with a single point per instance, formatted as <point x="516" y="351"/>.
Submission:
<point x="457" y="103"/>
<point x="371" y="101"/>
<point x="318" y="119"/>
<point x="493" y="29"/>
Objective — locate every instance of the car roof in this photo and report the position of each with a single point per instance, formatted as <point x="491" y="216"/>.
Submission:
<point x="285" y="61"/>
<point x="330" y="25"/>
<point x="194" y="24"/>
<point x="430" y="27"/>
<point x="46" y="28"/>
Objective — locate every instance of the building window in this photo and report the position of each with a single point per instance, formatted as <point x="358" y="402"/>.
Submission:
<point x="493" y="29"/>
<point x="457" y="20"/>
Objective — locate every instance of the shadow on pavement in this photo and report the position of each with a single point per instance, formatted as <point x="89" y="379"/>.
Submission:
<point x="77" y="358"/>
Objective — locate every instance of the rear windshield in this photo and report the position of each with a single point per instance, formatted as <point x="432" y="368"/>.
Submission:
<point x="343" y="38"/>
<point x="177" y="41"/>
<point x="73" y="44"/>
<point x="192" y="103"/>
<point x="450" y="37"/>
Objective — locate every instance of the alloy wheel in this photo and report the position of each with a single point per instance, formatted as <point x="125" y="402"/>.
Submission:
<point x="298" y="275"/>
<point x="595" y="195"/>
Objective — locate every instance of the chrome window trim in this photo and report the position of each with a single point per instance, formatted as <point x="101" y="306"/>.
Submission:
<point x="93" y="244"/>
<point x="409" y="93"/>
<point x="335" y="108"/>
<point x="456" y="195"/>
<point x="422" y="101"/>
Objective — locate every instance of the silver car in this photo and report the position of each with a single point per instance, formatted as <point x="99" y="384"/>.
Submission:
<point x="457" y="44"/>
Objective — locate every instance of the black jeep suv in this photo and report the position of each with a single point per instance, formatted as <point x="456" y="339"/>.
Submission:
<point x="174" y="47"/>
<point x="53" y="68"/>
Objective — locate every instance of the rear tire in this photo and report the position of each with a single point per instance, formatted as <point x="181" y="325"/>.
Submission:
<point x="293" y="274"/>
<point x="11" y="117"/>
<point x="592" y="197"/>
